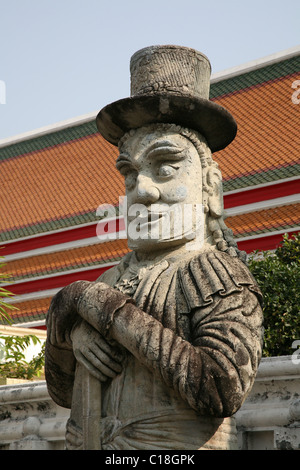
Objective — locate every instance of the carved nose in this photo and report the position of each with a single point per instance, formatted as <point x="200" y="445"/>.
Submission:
<point x="147" y="193"/>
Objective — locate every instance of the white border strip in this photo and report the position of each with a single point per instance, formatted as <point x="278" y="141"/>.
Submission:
<point x="29" y="325"/>
<point x="58" y="126"/>
<point x="255" y="64"/>
<point x="263" y="205"/>
<point x="52" y="249"/>
<point x="43" y="294"/>
<point x="11" y="330"/>
<point x="61" y="247"/>
<point x="268" y="234"/>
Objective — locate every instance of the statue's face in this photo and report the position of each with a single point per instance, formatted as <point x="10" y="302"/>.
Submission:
<point x="163" y="179"/>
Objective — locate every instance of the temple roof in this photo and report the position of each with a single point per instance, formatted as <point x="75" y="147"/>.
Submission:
<point x="55" y="179"/>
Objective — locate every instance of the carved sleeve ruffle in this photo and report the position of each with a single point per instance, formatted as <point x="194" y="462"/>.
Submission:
<point x="215" y="372"/>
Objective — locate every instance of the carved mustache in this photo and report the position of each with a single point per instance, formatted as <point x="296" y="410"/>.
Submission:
<point x="150" y="215"/>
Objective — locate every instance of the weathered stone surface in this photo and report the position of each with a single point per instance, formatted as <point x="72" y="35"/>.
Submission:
<point x="174" y="333"/>
<point x="169" y="84"/>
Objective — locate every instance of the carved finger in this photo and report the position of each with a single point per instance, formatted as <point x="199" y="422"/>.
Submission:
<point x="106" y="359"/>
<point x="95" y="366"/>
<point x="112" y="351"/>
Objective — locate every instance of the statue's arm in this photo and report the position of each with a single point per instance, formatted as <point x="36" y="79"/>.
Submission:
<point x="71" y="339"/>
<point x="60" y="361"/>
<point x="215" y="371"/>
<point x="60" y="373"/>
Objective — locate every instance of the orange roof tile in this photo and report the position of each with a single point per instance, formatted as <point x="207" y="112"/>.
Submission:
<point x="267" y="129"/>
<point x="59" y="182"/>
<point x="282" y="217"/>
<point x="47" y="186"/>
<point x="31" y="310"/>
<point x="60" y="261"/>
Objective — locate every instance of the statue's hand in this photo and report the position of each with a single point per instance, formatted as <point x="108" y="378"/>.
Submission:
<point x="102" y="359"/>
<point x="98" y="304"/>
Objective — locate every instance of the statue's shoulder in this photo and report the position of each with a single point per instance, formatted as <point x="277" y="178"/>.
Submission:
<point x="112" y="275"/>
<point x="213" y="272"/>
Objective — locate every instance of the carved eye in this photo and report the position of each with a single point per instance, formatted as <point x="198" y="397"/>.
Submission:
<point x="165" y="171"/>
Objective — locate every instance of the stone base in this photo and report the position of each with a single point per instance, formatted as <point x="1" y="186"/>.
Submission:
<point x="270" y="417"/>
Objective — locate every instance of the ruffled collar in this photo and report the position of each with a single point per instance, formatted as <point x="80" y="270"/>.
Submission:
<point x="173" y="288"/>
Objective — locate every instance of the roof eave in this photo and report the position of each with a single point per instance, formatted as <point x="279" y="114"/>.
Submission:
<point x="255" y="64"/>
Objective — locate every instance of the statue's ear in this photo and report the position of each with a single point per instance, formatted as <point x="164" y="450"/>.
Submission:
<point x="215" y="198"/>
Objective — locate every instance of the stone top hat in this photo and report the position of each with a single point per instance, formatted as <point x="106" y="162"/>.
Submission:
<point x="169" y="84"/>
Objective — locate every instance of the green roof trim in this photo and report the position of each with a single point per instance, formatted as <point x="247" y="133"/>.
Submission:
<point x="267" y="176"/>
<point x="48" y="140"/>
<point x="25" y="318"/>
<point x="255" y="77"/>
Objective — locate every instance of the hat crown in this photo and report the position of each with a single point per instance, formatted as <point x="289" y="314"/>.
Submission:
<point x="170" y="69"/>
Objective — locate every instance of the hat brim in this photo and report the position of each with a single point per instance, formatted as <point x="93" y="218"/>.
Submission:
<point x="213" y="121"/>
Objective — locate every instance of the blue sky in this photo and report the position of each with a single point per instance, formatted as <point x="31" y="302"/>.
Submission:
<point x="65" y="58"/>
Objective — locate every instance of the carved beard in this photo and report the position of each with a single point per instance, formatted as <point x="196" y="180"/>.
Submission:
<point x="177" y="223"/>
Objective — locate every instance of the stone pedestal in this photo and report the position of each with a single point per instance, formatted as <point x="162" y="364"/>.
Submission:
<point x="29" y="419"/>
<point x="270" y="417"/>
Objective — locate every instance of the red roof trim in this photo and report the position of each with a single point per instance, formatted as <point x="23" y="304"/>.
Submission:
<point x="269" y="242"/>
<point x="64" y="236"/>
<point x="239" y="198"/>
<point x="263" y="193"/>
<point x="56" y="282"/>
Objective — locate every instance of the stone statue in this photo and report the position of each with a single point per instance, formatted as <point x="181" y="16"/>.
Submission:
<point x="174" y="332"/>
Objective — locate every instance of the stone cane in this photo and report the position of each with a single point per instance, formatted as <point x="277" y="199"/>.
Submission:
<point x="90" y="386"/>
<point x="91" y="410"/>
<point x="87" y="399"/>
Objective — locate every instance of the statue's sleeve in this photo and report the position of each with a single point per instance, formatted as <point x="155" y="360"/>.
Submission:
<point x="60" y="362"/>
<point x="214" y="371"/>
<point x="60" y="366"/>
